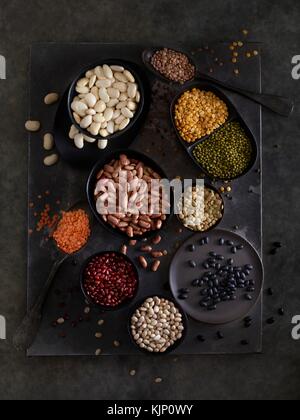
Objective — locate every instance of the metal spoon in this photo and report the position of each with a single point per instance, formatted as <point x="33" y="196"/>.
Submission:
<point x="278" y="104"/>
<point x="27" y="331"/>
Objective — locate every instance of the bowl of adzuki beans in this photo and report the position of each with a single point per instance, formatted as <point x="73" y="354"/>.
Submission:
<point x="109" y="280"/>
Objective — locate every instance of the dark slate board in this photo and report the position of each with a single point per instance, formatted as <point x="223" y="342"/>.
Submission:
<point x="53" y="67"/>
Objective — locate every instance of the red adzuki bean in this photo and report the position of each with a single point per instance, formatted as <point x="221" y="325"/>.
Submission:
<point x="110" y="279"/>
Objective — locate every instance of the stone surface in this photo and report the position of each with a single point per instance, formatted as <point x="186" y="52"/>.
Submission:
<point x="273" y="375"/>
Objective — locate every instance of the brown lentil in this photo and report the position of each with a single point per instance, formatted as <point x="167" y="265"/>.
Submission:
<point x="173" y="65"/>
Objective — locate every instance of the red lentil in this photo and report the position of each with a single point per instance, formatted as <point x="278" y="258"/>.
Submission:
<point x="73" y="231"/>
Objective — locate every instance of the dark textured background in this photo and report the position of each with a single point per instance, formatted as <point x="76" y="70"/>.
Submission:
<point x="273" y="375"/>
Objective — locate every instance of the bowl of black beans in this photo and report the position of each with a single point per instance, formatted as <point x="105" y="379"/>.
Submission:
<point x="217" y="278"/>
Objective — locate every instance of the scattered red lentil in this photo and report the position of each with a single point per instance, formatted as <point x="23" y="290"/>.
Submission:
<point x="73" y="231"/>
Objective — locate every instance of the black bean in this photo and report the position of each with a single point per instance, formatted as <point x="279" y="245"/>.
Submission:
<point x="204" y="304"/>
<point x="251" y="289"/>
<point x="192" y="264"/>
<point x="270" y="291"/>
<point x="248" y="319"/>
<point x="251" y="282"/>
<point x="202" y="242"/>
<point x="220" y="258"/>
<point x="249" y="267"/>
<point x="206" y="240"/>
<point x="271" y="321"/>
<point x="217" y="301"/>
<point x="229" y="243"/>
<point x="192" y="248"/>
<point x="196" y="283"/>
<point x="220" y="335"/>
<point x="245" y="343"/>
<point x="233" y="297"/>
<point x="240" y="247"/>
<point x="234" y="250"/>
<point x="274" y="251"/>
<point x="277" y="244"/>
<point x="221" y="241"/>
<point x="213" y="254"/>
<point x="204" y="292"/>
<point x="184" y="291"/>
<point x="230" y="261"/>
<point x="281" y="312"/>
<point x="212" y="308"/>
<point x="182" y="297"/>
<point x="247" y="273"/>
<point x="248" y="297"/>
<point x="206" y="266"/>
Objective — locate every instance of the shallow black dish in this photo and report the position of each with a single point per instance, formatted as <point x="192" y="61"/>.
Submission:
<point x="182" y="275"/>
<point x="177" y="344"/>
<point x="211" y="187"/>
<point x="233" y="116"/>
<point x="134" y="69"/>
<point x="93" y="303"/>
<point x="92" y="181"/>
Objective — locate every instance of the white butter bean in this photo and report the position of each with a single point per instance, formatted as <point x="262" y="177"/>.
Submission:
<point x="48" y="141"/>
<point x="91" y="112"/>
<point x="99" y="72"/>
<point x="121" y="105"/>
<point x="124" y="124"/>
<point x="111" y="127"/>
<point x="86" y="121"/>
<point x="100" y="107"/>
<point x="107" y="72"/>
<point x="108" y="114"/>
<point x="90" y="100"/>
<point x="104" y="83"/>
<point x="33" y="126"/>
<point x="73" y="131"/>
<point x="132" y="90"/>
<point x="51" y="98"/>
<point x="89" y="139"/>
<point x="113" y="93"/>
<point x="129" y="76"/>
<point x="82" y="89"/>
<point x="83" y="82"/>
<point x="92" y="81"/>
<point x="102" y="144"/>
<point x="79" y="141"/>
<point x="79" y="107"/>
<point x="95" y="92"/>
<point x="104" y="133"/>
<point x="99" y="118"/>
<point x="112" y="103"/>
<point x="127" y="113"/>
<point x="118" y="69"/>
<point x="51" y="160"/>
<point x="104" y="95"/>
<point x="77" y="118"/>
<point x="132" y="106"/>
<point x="120" y="77"/>
<point x="95" y="128"/>
<point x="122" y="87"/>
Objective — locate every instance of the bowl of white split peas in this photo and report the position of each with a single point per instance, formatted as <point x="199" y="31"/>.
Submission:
<point x="104" y="102"/>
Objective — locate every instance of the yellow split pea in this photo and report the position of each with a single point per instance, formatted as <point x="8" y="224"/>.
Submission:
<point x="199" y="113"/>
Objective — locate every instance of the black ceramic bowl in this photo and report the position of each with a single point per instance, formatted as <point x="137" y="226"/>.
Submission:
<point x="92" y="181"/>
<point x="211" y="187"/>
<point x="177" y="344"/>
<point x="126" y="302"/>
<point x="234" y="116"/>
<point x="133" y="68"/>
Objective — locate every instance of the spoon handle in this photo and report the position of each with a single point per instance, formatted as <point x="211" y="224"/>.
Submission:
<point x="28" y="329"/>
<point x="278" y="104"/>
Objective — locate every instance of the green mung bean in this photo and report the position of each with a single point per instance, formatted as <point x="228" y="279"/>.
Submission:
<point x="227" y="153"/>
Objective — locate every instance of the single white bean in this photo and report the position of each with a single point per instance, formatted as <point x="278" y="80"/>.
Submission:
<point x="48" y="141"/>
<point x="104" y="95"/>
<point x="89" y="139"/>
<point x="116" y="115"/>
<point x="99" y="72"/>
<point x="95" y="128"/>
<point x="121" y="105"/>
<point x="90" y="100"/>
<point x="127" y="113"/>
<point x="95" y="92"/>
<point x="113" y="93"/>
<point x="108" y="114"/>
<point x="73" y="131"/>
<point x="104" y="133"/>
<point x="102" y="144"/>
<point x="100" y="107"/>
<point x="82" y="89"/>
<point x="83" y="82"/>
<point x="86" y="121"/>
<point x="124" y="124"/>
<point x="51" y="160"/>
<point x="132" y="90"/>
<point x="77" y="118"/>
<point x="132" y="106"/>
<point x="79" y="141"/>
<point x="120" y="77"/>
<point x="33" y="126"/>
<point x="99" y="118"/>
<point x="129" y="76"/>
<point x="111" y="127"/>
<point x="91" y="112"/>
<point x="92" y="81"/>
<point x="107" y="72"/>
<point x="121" y="86"/>
<point x="112" y="103"/>
<point x="118" y="69"/>
<point x="51" y="98"/>
<point x="79" y="107"/>
<point x="120" y="119"/>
